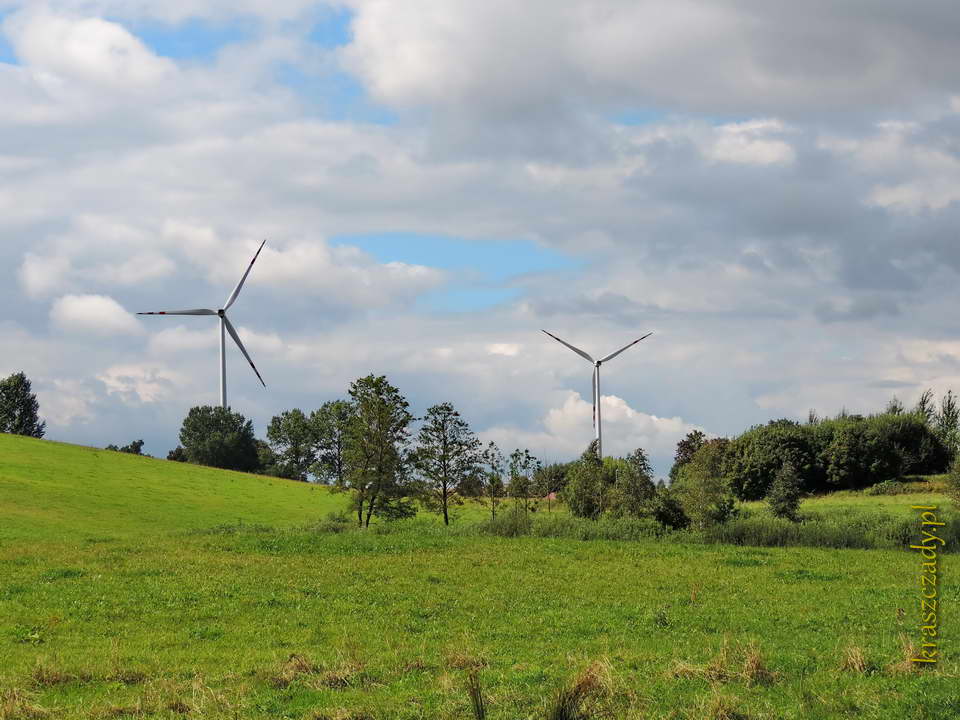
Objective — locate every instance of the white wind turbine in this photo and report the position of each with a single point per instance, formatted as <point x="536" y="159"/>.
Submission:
<point x="596" y="381"/>
<point x="225" y="325"/>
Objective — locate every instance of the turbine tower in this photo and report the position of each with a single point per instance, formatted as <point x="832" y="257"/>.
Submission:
<point x="225" y="327"/>
<point x="596" y="381"/>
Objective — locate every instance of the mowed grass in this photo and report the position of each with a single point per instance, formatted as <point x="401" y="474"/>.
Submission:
<point x="188" y="617"/>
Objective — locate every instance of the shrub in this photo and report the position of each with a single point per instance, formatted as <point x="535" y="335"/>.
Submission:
<point x="667" y="510"/>
<point x="887" y="487"/>
<point x="755" y="457"/>
<point x="513" y="523"/>
<point x="953" y="481"/>
<point x="784" y="495"/>
<point x="701" y="488"/>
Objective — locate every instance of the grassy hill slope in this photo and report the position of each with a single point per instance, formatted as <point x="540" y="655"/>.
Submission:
<point x="53" y="491"/>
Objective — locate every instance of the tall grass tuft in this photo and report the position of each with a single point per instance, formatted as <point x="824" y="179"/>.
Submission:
<point x="476" y="696"/>
<point x="594" y="682"/>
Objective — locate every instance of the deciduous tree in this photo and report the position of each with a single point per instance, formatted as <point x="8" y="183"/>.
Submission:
<point x="447" y="456"/>
<point x="293" y="442"/>
<point x="19" y="408"/>
<point x="377" y="451"/>
<point x="218" y="437"/>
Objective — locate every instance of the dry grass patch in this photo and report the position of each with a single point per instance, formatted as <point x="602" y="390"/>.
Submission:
<point x="17" y="705"/>
<point x="178" y="706"/>
<point x="853" y="659"/>
<point x="721" y="706"/>
<point x="119" y="711"/>
<point x="463" y="660"/>
<point x="293" y="667"/>
<point x="745" y="663"/>
<point x="594" y="683"/>
<point x="46" y="676"/>
<point x="346" y="674"/>
<point x="905" y="664"/>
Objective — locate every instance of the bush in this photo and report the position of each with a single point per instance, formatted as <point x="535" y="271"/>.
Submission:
<point x="784" y="495"/>
<point x="755" y="457"/>
<point x="666" y="510"/>
<point x="953" y="481"/>
<point x="888" y="487"/>
<point x="701" y="488"/>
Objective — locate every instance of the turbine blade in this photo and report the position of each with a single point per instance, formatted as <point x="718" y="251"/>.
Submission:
<point x="578" y="351"/>
<point x="612" y="355"/>
<point x="236" y="339"/>
<point x="236" y="290"/>
<point x="197" y="311"/>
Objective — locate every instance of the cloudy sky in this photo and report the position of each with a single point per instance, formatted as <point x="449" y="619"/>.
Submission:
<point x="773" y="188"/>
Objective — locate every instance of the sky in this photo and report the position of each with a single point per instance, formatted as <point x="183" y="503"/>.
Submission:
<point x="771" y="188"/>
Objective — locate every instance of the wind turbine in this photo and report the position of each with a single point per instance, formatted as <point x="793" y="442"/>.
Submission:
<point x="596" y="380"/>
<point x="225" y="325"/>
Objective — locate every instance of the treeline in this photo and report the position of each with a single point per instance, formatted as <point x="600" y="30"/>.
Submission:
<point x="364" y="445"/>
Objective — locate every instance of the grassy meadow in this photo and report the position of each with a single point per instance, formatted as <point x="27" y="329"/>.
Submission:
<point x="132" y="587"/>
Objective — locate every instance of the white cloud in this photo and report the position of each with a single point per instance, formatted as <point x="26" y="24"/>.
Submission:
<point x="66" y="403"/>
<point x="568" y="429"/>
<point x="90" y="50"/>
<point x="145" y="383"/>
<point x="94" y="315"/>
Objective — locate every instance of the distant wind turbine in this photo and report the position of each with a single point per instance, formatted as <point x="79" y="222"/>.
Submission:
<point x="596" y="380"/>
<point x="225" y="325"/>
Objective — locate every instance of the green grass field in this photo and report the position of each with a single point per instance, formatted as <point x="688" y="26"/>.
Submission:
<point x="132" y="587"/>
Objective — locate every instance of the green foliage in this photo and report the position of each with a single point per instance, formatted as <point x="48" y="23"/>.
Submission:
<point x="330" y="426"/>
<point x="376" y="450"/>
<point x="512" y="523"/>
<point x="491" y="488"/>
<point x="666" y="509"/>
<point x="947" y="423"/>
<point x="755" y="457"/>
<point x="447" y="457"/>
<point x="522" y="466"/>
<point x="784" y="495"/>
<point x="849" y="451"/>
<point x="19" y="408"/>
<point x="888" y="487"/>
<point x="134" y="448"/>
<point x="293" y="442"/>
<point x="953" y="482"/>
<point x="686" y="449"/>
<point x="702" y="488"/>
<point x="218" y="437"/>
<point x="633" y="487"/>
<point x="587" y="484"/>
<point x="178" y="454"/>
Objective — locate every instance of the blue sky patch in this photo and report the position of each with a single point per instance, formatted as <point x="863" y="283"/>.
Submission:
<point x="193" y="39"/>
<point x="332" y="28"/>
<point x="482" y="270"/>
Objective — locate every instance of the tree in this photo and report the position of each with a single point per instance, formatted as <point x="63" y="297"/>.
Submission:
<point x="266" y="459"/>
<point x="587" y="483"/>
<point x="702" y="488"/>
<point x="19" y="407"/>
<point x="493" y="488"/>
<point x="667" y="510"/>
<point x="784" y="495"/>
<point x="447" y="456"/>
<point x="549" y="481"/>
<point x="134" y="448"/>
<point x="926" y="408"/>
<point x="754" y="457"/>
<point x="686" y="448"/>
<point x="293" y="442"/>
<point x="178" y="454"/>
<point x="522" y="466"/>
<point x="894" y="407"/>
<point x="633" y="487"/>
<point x="948" y="422"/>
<point x="218" y="437"/>
<point x="330" y="423"/>
<point x="376" y="454"/>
